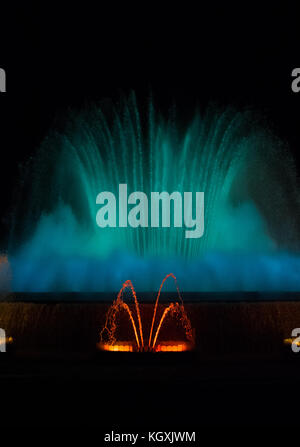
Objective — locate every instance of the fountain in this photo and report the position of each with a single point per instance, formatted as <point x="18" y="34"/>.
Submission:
<point x="246" y="175"/>
<point x="108" y="341"/>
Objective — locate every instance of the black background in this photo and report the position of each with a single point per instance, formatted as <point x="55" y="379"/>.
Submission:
<point x="64" y="55"/>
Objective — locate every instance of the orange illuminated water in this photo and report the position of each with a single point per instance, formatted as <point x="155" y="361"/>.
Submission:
<point x="108" y="341"/>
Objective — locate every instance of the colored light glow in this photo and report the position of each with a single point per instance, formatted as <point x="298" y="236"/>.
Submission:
<point x="290" y="341"/>
<point x="166" y="346"/>
<point x="119" y="347"/>
<point x="108" y="341"/>
<point x="173" y="346"/>
<point x="7" y="341"/>
<point x="57" y="246"/>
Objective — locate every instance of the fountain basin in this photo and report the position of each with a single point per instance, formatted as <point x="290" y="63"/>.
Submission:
<point x="129" y="346"/>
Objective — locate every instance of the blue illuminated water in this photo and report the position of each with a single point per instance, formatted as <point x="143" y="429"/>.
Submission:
<point x="240" y="166"/>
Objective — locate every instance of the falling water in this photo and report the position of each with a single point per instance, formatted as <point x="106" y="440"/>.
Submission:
<point x="248" y="183"/>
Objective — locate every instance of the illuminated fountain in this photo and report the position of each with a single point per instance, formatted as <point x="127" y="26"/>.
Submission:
<point x="246" y="175"/>
<point x="108" y="341"/>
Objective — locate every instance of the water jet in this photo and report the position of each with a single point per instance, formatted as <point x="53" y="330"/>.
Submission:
<point x="108" y="338"/>
<point x="244" y="171"/>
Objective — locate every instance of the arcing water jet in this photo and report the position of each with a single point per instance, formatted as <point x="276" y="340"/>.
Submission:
<point x="108" y="341"/>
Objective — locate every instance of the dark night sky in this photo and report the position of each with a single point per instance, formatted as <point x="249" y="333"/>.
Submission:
<point x="60" y="56"/>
